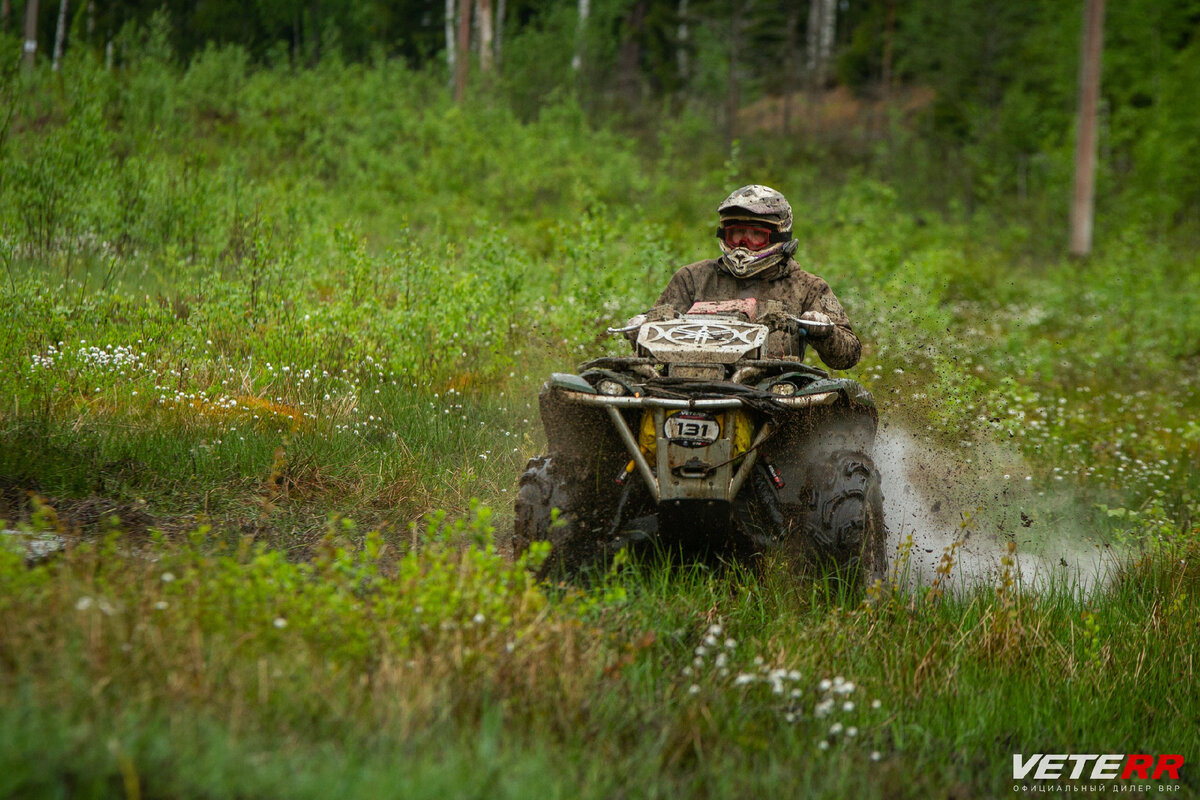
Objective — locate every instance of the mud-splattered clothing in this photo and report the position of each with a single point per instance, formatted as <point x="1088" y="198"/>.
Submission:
<point x="799" y="291"/>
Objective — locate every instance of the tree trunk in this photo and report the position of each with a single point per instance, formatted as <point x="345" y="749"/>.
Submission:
<point x="734" y="99"/>
<point x="59" y="34"/>
<point x="485" y="35"/>
<point x="449" y="30"/>
<point x="822" y="26"/>
<point x="315" y="31"/>
<point x="681" y="44"/>
<point x="585" y="9"/>
<point x="630" y="56"/>
<point x="31" y="20"/>
<point x="463" y="63"/>
<point x="5" y="15"/>
<point x="499" y="33"/>
<point x="1083" y="204"/>
<point x="889" y="36"/>
<point x="790" y="66"/>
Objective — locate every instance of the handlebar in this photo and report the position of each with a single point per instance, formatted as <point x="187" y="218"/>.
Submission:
<point x="812" y="323"/>
<point x="626" y="329"/>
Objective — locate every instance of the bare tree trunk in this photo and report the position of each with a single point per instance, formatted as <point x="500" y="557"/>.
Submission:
<point x="31" y="20"/>
<point x="449" y="29"/>
<point x="297" y="51"/>
<point x="630" y="56"/>
<point x="790" y="66"/>
<point x="681" y="44"/>
<point x="91" y="19"/>
<point x="889" y="36"/>
<point x="822" y="26"/>
<point x="828" y="34"/>
<point x="5" y="15"/>
<point x="315" y="14"/>
<point x="485" y="35"/>
<point x="463" y="62"/>
<point x="735" y="89"/>
<point x="500" y="9"/>
<point x="59" y="34"/>
<point x="585" y="9"/>
<point x="1083" y="204"/>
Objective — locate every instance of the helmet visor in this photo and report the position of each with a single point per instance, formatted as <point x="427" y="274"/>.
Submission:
<point x="751" y="237"/>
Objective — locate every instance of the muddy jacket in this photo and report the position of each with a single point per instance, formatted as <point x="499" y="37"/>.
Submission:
<point x="799" y="291"/>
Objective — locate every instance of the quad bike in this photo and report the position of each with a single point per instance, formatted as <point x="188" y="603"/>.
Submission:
<point x="700" y="445"/>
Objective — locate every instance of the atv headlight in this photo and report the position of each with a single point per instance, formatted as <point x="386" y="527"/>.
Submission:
<point x="783" y="389"/>
<point x="610" y="388"/>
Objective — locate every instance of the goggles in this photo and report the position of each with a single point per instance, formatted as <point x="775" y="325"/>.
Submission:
<point x="751" y="237"/>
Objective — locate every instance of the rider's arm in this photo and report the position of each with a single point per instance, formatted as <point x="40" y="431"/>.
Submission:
<point x="841" y="349"/>
<point x="680" y="292"/>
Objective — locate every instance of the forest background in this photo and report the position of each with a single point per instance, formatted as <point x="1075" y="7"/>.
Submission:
<point x="281" y="281"/>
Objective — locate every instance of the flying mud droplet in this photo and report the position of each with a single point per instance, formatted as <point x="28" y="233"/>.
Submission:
<point x="938" y="497"/>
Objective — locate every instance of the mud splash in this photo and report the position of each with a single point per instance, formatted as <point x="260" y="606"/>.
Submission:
<point x="978" y="494"/>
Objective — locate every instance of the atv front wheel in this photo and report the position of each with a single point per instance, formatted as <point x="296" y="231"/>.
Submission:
<point x="541" y="490"/>
<point x="839" y="520"/>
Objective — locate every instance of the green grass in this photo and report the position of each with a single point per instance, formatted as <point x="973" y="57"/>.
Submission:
<point x="239" y="672"/>
<point x="238" y="337"/>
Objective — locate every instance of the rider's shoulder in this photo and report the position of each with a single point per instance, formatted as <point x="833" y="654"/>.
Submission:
<point x="707" y="265"/>
<point x="799" y="274"/>
<point x="697" y="270"/>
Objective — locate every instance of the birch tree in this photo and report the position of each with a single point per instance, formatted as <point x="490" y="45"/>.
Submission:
<point x="585" y="8"/>
<point x="59" y="34"/>
<point x="31" y="20"/>
<point x="822" y="25"/>
<point x="500" y="9"/>
<point x="484" y="11"/>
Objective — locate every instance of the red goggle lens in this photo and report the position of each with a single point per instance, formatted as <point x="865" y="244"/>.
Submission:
<point x="748" y="236"/>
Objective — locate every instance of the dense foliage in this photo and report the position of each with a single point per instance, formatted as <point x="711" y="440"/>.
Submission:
<point x="956" y="103"/>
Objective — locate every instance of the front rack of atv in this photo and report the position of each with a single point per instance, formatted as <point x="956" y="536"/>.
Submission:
<point x="575" y="390"/>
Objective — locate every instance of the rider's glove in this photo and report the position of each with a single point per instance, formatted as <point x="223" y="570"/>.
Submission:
<point x="824" y="325"/>
<point x="659" y="314"/>
<point x="656" y="314"/>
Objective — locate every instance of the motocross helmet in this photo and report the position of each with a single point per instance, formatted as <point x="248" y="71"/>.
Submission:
<point x="762" y="219"/>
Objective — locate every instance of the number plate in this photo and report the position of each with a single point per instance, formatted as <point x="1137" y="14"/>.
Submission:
<point x="688" y="429"/>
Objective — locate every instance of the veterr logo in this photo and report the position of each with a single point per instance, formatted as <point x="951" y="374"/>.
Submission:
<point x="1096" y="767"/>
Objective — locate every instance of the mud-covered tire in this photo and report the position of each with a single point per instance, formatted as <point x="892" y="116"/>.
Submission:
<point x="540" y="490"/>
<point x="841" y="524"/>
<point x="537" y="493"/>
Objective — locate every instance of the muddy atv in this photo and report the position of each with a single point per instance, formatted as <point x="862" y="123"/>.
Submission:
<point x="699" y="445"/>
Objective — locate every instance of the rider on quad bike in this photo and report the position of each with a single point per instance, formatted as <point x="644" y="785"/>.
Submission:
<point x="757" y="246"/>
<point x="715" y="439"/>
